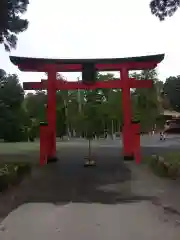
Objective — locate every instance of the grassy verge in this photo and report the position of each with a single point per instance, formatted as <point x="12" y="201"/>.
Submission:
<point x="12" y="174"/>
<point x="167" y="165"/>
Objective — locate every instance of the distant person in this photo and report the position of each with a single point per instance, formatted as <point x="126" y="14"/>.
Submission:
<point x="162" y="136"/>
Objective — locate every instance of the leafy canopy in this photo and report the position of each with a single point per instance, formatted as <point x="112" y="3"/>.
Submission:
<point x="164" y="8"/>
<point x="11" y="22"/>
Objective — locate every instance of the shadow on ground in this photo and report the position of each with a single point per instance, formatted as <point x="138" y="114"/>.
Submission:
<point x="68" y="181"/>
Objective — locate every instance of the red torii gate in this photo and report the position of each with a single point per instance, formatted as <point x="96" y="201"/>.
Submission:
<point x="88" y="67"/>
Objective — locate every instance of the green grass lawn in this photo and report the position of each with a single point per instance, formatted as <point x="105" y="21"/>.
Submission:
<point x="28" y="147"/>
<point x="20" y="147"/>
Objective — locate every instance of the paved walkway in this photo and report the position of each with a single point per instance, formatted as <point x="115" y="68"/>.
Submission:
<point x="114" y="200"/>
<point x="146" y="141"/>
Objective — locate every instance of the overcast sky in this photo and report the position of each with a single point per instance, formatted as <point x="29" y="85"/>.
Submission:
<point x="96" y="28"/>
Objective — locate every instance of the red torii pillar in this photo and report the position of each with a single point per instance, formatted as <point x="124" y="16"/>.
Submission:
<point x="51" y="112"/>
<point x="127" y="111"/>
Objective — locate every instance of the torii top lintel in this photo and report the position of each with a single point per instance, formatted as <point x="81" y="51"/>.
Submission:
<point x="76" y="65"/>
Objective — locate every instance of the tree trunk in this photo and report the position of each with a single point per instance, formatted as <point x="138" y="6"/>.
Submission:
<point x="89" y="149"/>
<point x="66" y="117"/>
<point x="112" y="128"/>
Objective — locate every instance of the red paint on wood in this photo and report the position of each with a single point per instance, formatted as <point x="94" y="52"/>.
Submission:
<point x="127" y="112"/>
<point x="62" y="85"/>
<point x="99" y="67"/>
<point x="51" y="109"/>
<point x="136" y="141"/>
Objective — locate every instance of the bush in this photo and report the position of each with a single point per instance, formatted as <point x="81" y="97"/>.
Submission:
<point x="3" y="182"/>
<point x="12" y="173"/>
<point x="167" y="166"/>
<point x="14" y="134"/>
<point x="23" y="169"/>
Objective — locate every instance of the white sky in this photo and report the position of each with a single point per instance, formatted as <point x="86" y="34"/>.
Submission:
<point x="96" y="28"/>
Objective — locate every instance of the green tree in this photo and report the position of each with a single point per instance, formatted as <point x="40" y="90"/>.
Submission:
<point x="11" y="22"/>
<point x="12" y="115"/>
<point x="95" y="101"/>
<point x="91" y="123"/>
<point x="96" y="112"/>
<point x="115" y="110"/>
<point x="61" y="110"/>
<point x="164" y="8"/>
<point x="36" y="105"/>
<point x="145" y="101"/>
<point x="102" y="107"/>
<point x="171" y="91"/>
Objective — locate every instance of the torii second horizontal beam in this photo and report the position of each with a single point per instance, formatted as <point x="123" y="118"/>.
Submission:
<point x="110" y="84"/>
